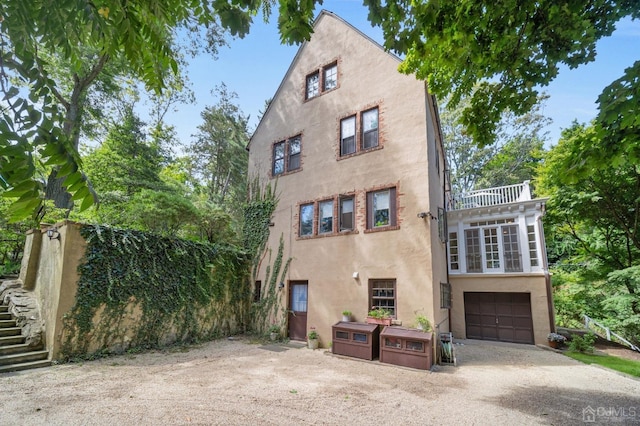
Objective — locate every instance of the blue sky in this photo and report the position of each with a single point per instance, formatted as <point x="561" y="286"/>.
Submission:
<point x="253" y="68"/>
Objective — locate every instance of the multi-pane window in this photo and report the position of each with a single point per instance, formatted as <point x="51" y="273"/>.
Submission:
<point x="348" y="136"/>
<point x="317" y="83"/>
<point x="454" y="259"/>
<point x="325" y="217"/>
<point x="313" y="85"/>
<point x="364" y="126"/>
<point x="491" y="246"/>
<point x="445" y="295"/>
<point x="330" y="77"/>
<point x="512" y="258"/>
<point x="346" y="213"/>
<point x="293" y="158"/>
<point x="370" y="128"/>
<point x="286" y="155"/>
<point x="382" y="294"/>
<point x="474" y="251"/>
<point x="491" y="249"/>
<point x="278" y="158"/>
<point x="533" y="249"/>
<point x="306" y="220"/>
<point x="381" y="208"/>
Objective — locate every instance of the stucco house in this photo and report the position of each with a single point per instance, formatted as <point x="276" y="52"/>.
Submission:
<point x="356" y="150"/>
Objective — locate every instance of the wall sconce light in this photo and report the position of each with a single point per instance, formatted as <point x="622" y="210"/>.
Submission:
<point x="355" y="275"/>
<point x="53" y="233"/>
<point x="281" y="285"/>
<point x="422" y="215"/>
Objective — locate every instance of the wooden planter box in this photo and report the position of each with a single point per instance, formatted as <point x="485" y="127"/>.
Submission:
<point x="406" y="347"/>
<point x="356" y="339"/>
<point x="379" y="321"/>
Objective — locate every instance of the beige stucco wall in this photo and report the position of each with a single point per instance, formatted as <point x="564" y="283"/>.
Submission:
<point x="534" y="284"/>
<point x="57" y="280"/>
<point x="367" y="76"/>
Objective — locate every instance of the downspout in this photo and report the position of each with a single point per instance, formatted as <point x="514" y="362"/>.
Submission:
<point x="547" y="275"/>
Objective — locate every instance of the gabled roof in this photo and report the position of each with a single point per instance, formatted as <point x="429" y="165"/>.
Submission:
<point x="323" y="13"/>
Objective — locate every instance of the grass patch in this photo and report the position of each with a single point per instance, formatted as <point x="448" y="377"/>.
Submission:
<point x="613" y="362"/>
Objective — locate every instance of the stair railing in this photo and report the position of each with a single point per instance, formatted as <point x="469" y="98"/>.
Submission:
<point x="595" y="326"/>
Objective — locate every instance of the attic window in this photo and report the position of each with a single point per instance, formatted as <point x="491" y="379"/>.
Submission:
<point x="330" y="77"/>
<point x="321" y="80"/>
<point x="313" y="88"/>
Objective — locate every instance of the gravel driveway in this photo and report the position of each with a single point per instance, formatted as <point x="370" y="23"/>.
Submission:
<point x="239" y="382"/>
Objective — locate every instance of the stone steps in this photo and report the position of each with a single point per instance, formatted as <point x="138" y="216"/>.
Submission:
<point x="15" y="354"/>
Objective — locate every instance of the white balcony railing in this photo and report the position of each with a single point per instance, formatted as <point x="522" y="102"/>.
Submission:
<point x="493" y="196"/>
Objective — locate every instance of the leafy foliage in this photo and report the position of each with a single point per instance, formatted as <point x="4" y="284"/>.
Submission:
<point x="593" y="222"/>
<point x="582" y="344"/>
<point x="44" y="125"/>
<point x="170" y="279"/>
<point x="499" y="53"/>
<point x="511" y="160"/>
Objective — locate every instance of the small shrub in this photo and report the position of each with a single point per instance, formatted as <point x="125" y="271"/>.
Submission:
<point x="582" y="344"/>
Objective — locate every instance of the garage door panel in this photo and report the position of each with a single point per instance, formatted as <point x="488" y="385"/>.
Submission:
<point x="503" y="309"/>
<point x="499" y="316"/>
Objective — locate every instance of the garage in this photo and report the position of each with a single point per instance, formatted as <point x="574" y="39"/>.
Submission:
<point x="505" y="317"/>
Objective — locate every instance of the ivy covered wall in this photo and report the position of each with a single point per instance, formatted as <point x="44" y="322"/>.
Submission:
<point x="140" y="290"/>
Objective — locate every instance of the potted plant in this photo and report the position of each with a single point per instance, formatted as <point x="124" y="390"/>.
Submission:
<point x="423" y="323"/>
<point x="312" y="338"/>
<point x="274" y="332"/>
<point x="379" y="316"/>
<point x="556" y="340"/>
<point x="346" y="316"/>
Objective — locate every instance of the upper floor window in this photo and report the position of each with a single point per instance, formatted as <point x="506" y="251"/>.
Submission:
<point x="322" y="80"/>
<point x="454" y="262"/>
<point x="330" y="73"/>
<point x="370" y="128"/>
<point x="325" y="217"/>
<point x="381" y="208"/>
<point x="306" y="219"/>
<point x="346" y="213"/>
<point x="286" y="155"/>
<point x="533" y="250"/>
<point x="489" y="246"/>
<point x="313" y="85"/>
<point x="365" y="124"/>
<point x="348" y="136"/>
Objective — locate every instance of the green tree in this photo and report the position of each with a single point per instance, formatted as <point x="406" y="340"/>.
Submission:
<point x="500" y="53"/>
<point x="512" y="159"/>
<point x="219" y="154"/>
<point x="140" y="33"/>
<point x="593" y="221"/>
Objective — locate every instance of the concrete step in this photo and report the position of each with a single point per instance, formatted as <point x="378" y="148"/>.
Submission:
<point x="10" y="331"/>
<point x="24" y="366"/>
<point x="6" y="316"/>
<point x="14" y="349"/>
<point x="7" y="323"/>
<point x="11" y="340"/>
<point x="21" y="358"/>
<point x="4" y="309"/>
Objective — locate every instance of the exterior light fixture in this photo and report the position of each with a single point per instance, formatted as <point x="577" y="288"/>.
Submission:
<point x="281" y="285"/>
<point x="355" y="275"/>
<point x="422" y="215"/>
<point x="53" y="233"/>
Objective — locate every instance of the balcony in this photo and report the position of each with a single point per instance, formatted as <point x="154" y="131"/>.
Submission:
<point x="493" y="196"/>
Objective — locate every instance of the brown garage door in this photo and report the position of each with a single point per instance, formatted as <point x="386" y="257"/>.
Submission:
<point x="499" y="316"/>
